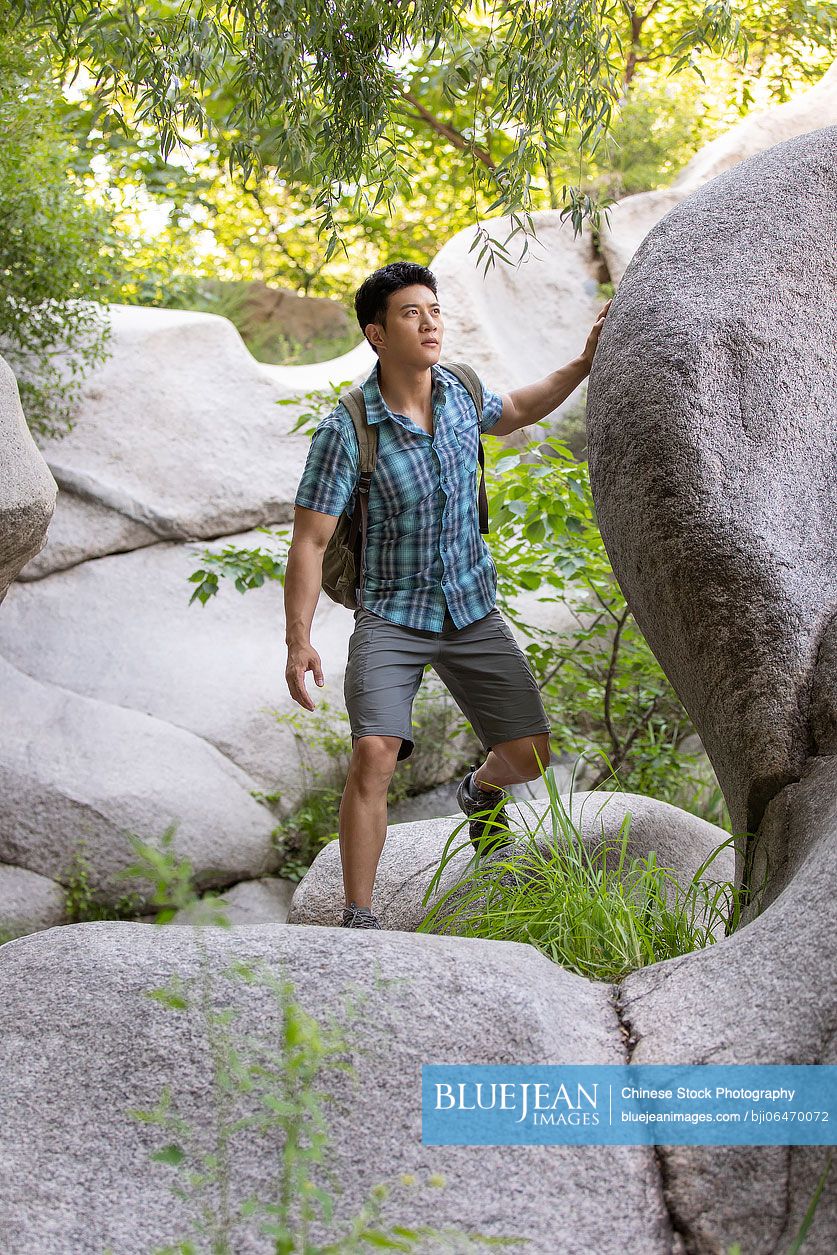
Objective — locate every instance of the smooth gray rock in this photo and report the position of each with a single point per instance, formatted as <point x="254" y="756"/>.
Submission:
<point x="178" y="435"/>
<point x="413" y="852"/>
<point x="27" y="489"/>
<point x="78" y="774"/>
<point x="82" y="529"/>
<point x="179" y="429"/>
<point x="264" y="901"/>
<point x="28" y="901"/>
<point x="765" y="995"/>
<point x="81" y="1043"/>
<point x="121" y="630"/>
<point x="713" y="441"/>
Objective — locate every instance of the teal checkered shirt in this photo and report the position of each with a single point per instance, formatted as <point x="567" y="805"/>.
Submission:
<point x="424" y="549"/>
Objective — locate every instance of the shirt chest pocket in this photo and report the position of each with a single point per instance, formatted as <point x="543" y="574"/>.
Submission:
<point x="467" y="439"/>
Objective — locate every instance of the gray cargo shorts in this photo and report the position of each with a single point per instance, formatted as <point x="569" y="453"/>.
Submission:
<point x="482" y="665"/>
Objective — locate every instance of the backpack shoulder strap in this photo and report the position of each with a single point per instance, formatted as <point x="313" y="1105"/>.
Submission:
<point x="367" y="435"/>
<point x="367" y="443"/>
<point x="471" y="380"/>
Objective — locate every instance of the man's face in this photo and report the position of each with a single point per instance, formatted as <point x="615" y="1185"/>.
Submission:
<point x="414" y="329"/>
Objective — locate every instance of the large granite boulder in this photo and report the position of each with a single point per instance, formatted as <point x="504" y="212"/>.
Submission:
<point x="27" y="489"/>
<point x="713" y="442"/>
<point x="763" y="995"/>
<point x="413" y="851"/>
<point x="121" y="630"/>
<point x="176" y="434"/>
<point x="68" y="1092"/>
<point x="82" y="1044"/>
<point x="79" y="776"/>
<point x="633" y="217"/>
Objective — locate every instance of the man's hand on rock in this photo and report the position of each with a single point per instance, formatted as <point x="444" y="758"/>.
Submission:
<point x="595" y="331"/>
<point x="301" y="659"/>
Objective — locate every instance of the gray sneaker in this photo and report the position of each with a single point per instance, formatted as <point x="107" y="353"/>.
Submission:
<point x="488" y="833"/>
<point x="355" y="916"/>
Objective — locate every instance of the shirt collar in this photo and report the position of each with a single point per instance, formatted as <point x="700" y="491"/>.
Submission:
<point x="377" y="408"/>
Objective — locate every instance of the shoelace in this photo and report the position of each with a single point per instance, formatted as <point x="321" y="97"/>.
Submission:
<point x="486" y="799"/>
<point x="359" y="917"/>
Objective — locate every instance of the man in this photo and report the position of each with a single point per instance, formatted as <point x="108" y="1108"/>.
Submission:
<point x="430" y="585"/>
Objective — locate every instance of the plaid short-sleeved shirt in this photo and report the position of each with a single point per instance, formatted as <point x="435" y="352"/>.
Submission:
<point x="424" y="549"/>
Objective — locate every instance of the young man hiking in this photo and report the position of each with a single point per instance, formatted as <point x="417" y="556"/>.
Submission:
<point x="430" y="583"/>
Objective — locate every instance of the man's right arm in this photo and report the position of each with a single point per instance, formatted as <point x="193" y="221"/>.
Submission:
<point x="303" y="581"/>
<point x="324" y="492"/>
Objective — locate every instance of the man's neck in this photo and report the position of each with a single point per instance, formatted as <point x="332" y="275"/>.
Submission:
<point x="406" y="389"/>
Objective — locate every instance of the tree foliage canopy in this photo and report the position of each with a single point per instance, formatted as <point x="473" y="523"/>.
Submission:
<point x="323" y="92"/>
<point x="260" y="126"/>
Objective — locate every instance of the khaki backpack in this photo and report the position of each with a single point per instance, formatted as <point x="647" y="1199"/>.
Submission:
<point x="344" y="566"/>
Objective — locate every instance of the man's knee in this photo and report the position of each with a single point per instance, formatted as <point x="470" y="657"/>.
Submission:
<point x="374" y="758"/>
<point x="522" y="754"/>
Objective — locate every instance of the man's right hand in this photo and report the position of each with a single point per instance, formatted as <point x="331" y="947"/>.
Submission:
<point x="301" y="659"/>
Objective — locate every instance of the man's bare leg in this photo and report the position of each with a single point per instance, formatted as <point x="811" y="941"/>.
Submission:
<point x="512" y="762"/>
<point x="363" y="814"/>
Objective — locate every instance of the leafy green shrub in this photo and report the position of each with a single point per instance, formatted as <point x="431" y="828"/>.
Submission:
<point x="603" y="689"/>
<point x="50" y="262"/>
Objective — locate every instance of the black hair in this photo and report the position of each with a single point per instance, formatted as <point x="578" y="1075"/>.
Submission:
<point x="373" y="294"/>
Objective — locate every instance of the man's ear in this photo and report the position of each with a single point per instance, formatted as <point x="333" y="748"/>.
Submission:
<point x="375" y="338"/>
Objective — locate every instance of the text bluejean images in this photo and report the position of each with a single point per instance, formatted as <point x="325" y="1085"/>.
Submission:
<point x="629" y="1104"/>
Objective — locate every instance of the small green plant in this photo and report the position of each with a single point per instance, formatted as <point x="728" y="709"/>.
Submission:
<point x="279" y="1080"/>
<point x="594" y="911"/>
<point x="82" y="904"/>
<point x="247" y="568"/>
<point x="172" y="881"/>
<point x="808" y="1219"/>
<point x="317" y="404"/>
